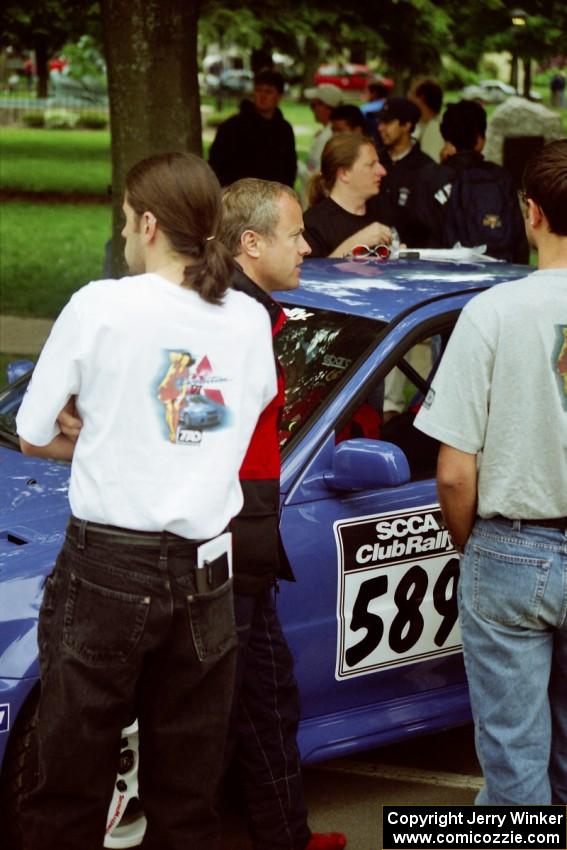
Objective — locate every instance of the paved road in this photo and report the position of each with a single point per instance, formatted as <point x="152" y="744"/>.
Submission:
<point x="23" y="336"/>
<point x="346" y="794"/>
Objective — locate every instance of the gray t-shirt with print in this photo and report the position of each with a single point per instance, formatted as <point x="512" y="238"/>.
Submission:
<point x="501" y="393"/>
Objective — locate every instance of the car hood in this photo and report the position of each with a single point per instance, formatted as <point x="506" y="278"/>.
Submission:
<point x="33" y="511"/>
<point x="33" y="514"/>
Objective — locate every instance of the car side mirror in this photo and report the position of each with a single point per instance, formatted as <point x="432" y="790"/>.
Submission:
<point x="16" y="368"/>
<point x="364" y="464"/>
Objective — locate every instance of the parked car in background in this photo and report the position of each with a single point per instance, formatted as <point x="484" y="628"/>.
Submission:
<point x="233" y="81"/>
<point x="348" y="77"/>
<point x="372" y="619"/>
<point x="493" y="91"/>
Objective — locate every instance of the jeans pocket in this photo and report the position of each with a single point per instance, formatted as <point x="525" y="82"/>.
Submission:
<point x="47" y="610"/>
<point x="507" y="588"/>
<point x="211" y="616"/>
<point x="102" y="625"/>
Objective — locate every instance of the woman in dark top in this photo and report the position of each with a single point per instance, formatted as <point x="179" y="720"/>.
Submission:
<point x="345" y="209"/>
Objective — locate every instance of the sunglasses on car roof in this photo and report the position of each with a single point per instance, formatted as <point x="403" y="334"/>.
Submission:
<point x="365" y="252"/>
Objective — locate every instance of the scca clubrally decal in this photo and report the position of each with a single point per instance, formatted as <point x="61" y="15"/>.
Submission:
<point x="397" y="590"/>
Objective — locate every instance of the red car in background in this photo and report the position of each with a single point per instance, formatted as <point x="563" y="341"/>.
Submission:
<point x="348" y="77"/>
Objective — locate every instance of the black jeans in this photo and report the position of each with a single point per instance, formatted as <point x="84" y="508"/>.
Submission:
<point x="123" y="634"/>
<point x="263" y="729"/>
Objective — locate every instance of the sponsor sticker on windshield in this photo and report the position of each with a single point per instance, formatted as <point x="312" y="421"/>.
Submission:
<point x="397" y="590"/>
<point x="297" y="314"/>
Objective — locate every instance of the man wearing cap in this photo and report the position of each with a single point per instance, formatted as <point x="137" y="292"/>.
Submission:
<point x="323" y="99"/>
<point x="403" y="160"/>
<point x="258" y="141"/>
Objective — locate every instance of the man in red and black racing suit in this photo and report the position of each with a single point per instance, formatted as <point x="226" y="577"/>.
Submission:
<point x="263" y="229"/>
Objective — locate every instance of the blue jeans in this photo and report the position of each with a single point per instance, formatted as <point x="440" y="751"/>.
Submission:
<point x="263" y="729"/>
<point x="124" y="634"/>
<point x="513" y="610"/>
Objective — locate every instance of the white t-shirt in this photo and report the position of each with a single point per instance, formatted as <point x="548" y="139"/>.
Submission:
<point x="428" y="134"/>
<point x="320" y="140"/>
<point x="169" y="390"/>
<point x="501" y="393"/>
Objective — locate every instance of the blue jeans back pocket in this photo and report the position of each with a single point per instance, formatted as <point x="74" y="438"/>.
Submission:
<point x="101" y="625"/>
<point x="211" y="616"/>
<point x="507" y="588"/>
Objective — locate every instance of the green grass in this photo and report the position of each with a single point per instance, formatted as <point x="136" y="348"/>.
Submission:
<point x="49" y="251"/>
<point x="37" y="160"/>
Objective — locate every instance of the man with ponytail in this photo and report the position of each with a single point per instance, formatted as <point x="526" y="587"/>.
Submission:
<point x="129" y="625"/>
<point x="263" y="230"/>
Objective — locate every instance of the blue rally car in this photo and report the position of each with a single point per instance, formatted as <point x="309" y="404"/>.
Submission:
<point x="372" y="618"/>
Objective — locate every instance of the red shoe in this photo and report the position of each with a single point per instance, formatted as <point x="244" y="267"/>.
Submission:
<point x="327" y="841"/>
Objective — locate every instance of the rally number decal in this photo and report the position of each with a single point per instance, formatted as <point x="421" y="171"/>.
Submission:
<point x="397" y="591"/>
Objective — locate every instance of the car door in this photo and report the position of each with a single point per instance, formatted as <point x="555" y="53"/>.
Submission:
<point x="372" y="619"/>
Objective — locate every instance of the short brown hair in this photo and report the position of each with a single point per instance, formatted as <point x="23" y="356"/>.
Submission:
<point x="545" y="182"/>
<point x="341" y="151"/>
<point x="251" y="204"/>
<point x="184" y="195"/>
<point x="270" y="77"/>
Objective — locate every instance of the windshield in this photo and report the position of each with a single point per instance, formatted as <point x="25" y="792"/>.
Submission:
<point x="317" y="349"/>
<point x="10" y="400"/>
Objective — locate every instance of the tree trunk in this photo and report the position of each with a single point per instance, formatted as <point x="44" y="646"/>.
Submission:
<point x="42" y="69"/>
<point x="312" y="60"/>
<point x="514" y="70"/>
<point x="151" y="55"/>
<point x="527" y="76"/>
<point x="358" y="53"/>
<point x="261" y="58"/>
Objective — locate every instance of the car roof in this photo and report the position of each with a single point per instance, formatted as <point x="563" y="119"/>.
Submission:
<point x="383" y="289"/>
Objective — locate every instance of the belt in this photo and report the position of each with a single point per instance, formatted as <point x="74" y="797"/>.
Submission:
<point x="559" y="523"/>
<point x="153" y="539"/>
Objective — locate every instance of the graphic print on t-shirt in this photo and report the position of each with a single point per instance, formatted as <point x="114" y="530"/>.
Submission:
<point x="560" y="362"/>
<point x="190" y="403"/>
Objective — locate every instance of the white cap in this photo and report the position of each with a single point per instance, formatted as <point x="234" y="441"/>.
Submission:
<point x="327" y="93"/>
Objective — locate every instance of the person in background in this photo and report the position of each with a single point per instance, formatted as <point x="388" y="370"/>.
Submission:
<point x="498" y="405"/>
<point x="557" y="89"/>
<point x="263" y="230"/>
<point x="348" y="119"/>
<point x="346" y="208"/>
<point x="428" y="97"/>
<point x="258" y="141"/>
<point x="376" y="95"/>
<point x="404" y="162"/>
<point x="129" y="626"/>
<point x="323" y="100"/>
<point x="467" y="199"/>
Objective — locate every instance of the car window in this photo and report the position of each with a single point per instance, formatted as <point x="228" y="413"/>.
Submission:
<point x="318" y="350"/>
<point x="389" y="409"/>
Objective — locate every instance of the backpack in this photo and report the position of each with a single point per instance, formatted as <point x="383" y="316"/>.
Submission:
<point x="483" y="209"/>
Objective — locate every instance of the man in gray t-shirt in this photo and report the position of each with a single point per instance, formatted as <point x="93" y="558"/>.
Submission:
<point x="498" y="405"/>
